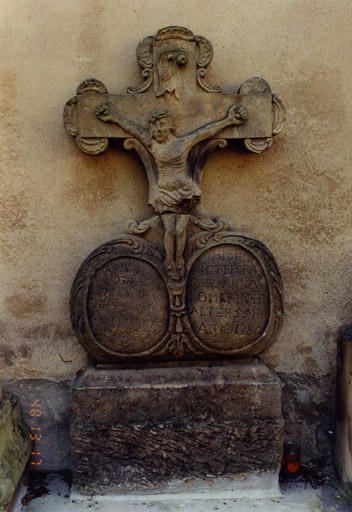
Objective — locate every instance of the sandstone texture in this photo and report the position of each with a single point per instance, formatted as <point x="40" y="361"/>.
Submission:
<point x="133" y="430"/>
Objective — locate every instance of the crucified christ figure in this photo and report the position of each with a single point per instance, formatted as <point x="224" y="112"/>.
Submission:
<point x="176" y="193"/>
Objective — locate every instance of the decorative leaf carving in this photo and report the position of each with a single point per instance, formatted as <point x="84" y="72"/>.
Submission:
<point x="203" y="61"/>
<point x="144" y="52"/>
<point x="201" y="73"/>
<point x="279" y="115"/>
<point x="205" y="51"/>
<point x="253" y="85"/>
<point x="91" y="85"/>
<point x="71" y="116"/>
<point x="137" y="228"/>
<point x="208" y="224"/>
<point x="92" y="145"/>
<point x="137" y="245"/>
<point x="145" y="60"/>
<point x="258" y="145"/>
<point x="197" y="242"/>
<point x="178" y="345"/>
<point x="174" y="32"/>
<point x="148" y="75"/>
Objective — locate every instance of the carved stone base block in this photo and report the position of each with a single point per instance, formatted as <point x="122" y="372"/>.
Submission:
<point x="171" y="429"/>
<point x="15" y="448"/>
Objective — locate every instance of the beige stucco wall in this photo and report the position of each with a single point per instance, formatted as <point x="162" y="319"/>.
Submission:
<point x="57" y="204"/>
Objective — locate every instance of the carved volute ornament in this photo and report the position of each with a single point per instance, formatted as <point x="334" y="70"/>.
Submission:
<point x="200" y="289"/>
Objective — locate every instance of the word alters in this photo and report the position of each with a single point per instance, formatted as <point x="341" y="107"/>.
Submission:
<point x="252" y="313"/>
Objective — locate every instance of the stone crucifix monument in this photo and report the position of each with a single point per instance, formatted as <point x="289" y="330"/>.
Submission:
<point x="175" y="310"/>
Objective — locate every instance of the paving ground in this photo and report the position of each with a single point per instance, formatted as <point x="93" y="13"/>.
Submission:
<point x="296" y="497"/>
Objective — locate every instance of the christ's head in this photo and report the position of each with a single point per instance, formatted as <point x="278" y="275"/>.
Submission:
<point x="161" y="125"/>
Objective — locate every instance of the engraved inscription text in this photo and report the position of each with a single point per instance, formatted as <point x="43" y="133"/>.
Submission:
<point x="127" y="305"/>
<point x="228" y="301"/>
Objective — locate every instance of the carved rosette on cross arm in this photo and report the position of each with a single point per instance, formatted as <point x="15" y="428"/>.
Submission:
<point x="178" y="285"/>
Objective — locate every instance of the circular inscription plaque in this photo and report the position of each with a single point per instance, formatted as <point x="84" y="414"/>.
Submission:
<point x="228" y="298"/>
<point x="127" y="306"/>
<point x="119" y="301"/>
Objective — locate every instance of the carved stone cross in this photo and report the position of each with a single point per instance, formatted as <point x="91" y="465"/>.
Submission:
<point x="174" y="63"/>
<point x="173" y="121"/>
<point x="174" y="98"/>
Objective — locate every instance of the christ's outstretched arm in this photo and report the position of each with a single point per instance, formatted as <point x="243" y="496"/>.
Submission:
<point x="236" y="115"/>
<point x="106" y="112"/>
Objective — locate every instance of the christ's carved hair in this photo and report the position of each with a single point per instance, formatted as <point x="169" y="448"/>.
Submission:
<point x="161" y="114"/>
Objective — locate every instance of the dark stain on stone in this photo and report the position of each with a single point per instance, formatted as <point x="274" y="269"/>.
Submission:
<point x="40" y="331"/>
<point x="56" y="332"/>
<point x="13" y="211"/>
<point x="23" y="305"/>
<point x="25" y="351"/>
<point x="63" y="332"/>
<point x="8" y="354"/>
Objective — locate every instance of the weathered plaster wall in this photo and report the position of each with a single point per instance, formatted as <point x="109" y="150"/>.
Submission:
<point x="58" y="204"/>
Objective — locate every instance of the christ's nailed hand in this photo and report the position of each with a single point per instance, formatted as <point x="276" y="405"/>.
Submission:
<point x="237" y="114"/>
<point x="106" y="112"/>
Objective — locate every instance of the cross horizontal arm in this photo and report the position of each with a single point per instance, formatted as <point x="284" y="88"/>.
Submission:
<point x="189" y="115"/>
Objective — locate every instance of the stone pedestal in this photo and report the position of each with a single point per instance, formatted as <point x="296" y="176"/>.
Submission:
<point x="174" y="429"/>
<point x="15" y="448"/>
